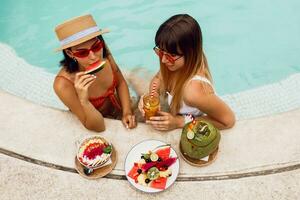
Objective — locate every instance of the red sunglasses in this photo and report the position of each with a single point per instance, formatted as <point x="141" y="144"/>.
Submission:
<point x="170" y="57"/>
<point x="82" y="53"/>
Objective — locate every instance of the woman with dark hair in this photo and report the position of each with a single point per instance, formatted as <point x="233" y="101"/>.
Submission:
<point x="185" y="77"/>
<point x="97" y="94"/>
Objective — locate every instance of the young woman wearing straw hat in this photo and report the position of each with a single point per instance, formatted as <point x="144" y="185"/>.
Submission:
<point x="90" y="96"/>
<point x="184" y="76"/>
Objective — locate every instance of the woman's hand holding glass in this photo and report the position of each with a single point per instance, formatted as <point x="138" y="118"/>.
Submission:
<point x="164" y="122"/>
<point x="149" y="105"/>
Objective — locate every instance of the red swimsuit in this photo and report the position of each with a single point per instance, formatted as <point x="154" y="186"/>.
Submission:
<point x="110" y="93"/>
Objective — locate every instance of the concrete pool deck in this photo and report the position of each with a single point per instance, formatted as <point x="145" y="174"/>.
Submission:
<point x="258" y="158"/>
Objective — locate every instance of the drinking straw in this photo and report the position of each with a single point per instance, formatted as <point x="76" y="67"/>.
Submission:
<point x="153" y="90"/>
<point x="193" y="121"/>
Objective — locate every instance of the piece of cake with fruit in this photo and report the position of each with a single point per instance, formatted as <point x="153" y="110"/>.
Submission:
<point x="94" y="152"/>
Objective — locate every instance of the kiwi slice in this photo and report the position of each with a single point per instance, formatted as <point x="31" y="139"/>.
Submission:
<point x="153" y="173"/>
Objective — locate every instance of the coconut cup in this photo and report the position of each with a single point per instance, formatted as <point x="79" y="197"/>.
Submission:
<point x="199" y="139"/>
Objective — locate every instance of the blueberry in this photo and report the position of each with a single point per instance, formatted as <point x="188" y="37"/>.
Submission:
<point x="139" y="171"/>
<point x="87" y="171"/>
<point x="147" y="180"/>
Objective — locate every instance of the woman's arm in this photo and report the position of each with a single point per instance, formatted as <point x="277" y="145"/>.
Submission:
<point x="91" y="118"/>
<point x="123" y="92"/>
<point x="200" y="95"/>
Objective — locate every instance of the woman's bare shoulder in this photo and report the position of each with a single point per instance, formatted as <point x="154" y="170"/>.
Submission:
<point x="63" y="80"/>
<point x="63" y="72"/>
<point x="197" y="91"/>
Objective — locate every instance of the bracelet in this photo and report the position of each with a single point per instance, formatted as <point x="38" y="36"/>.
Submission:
<point x="188" y="118"/>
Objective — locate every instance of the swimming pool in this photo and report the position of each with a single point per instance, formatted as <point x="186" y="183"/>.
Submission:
<point x="252" y="48"/>
<point x="248" y="44"/>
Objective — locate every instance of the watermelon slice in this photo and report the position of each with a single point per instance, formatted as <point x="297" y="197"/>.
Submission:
<point x="163" y="152"/>
<point x="95" y="67"/>
<point x="133" y="173"/>
<point x="159" y="183"/>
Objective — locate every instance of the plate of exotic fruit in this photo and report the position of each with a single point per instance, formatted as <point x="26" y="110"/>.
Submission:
<point x="94" y="152"/>
<point x="152" y="166"/>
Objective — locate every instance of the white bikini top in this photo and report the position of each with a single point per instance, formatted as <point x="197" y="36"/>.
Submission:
<point x="185" y="109"/>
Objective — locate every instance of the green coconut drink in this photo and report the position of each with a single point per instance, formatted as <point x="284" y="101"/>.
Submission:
<point x="199" y="139"/>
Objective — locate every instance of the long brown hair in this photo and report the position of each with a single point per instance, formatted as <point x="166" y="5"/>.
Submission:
<point x="181" y="35"/>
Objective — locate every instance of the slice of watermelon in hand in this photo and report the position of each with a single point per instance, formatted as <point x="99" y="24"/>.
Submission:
<point x="95" y="67"/>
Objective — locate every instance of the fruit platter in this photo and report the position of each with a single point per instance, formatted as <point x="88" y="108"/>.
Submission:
<point x="94" y="152"/>
<point x="152" y="166"/>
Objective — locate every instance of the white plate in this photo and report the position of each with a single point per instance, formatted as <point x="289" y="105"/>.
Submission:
<point x="134" y="155"/>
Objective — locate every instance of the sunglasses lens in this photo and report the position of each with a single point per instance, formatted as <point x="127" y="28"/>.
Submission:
<point x="85" y="52"/>
<point x="170" y="58"/>
<point x="97" y="47"/>
<point x="81" y="53"/>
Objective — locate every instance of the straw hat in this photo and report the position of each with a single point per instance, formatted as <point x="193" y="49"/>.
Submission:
<point x="77" y="30"/>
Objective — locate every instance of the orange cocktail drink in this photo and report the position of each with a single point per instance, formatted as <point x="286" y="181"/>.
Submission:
<point x="151" y="105"/>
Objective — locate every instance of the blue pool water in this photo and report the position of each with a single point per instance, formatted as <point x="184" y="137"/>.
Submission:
<point x="248" y="44"/>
